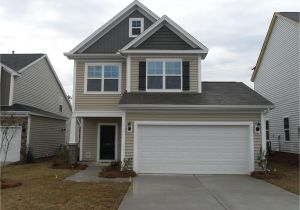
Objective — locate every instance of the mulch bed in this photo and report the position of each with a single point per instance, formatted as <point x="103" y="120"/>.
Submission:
<point x="69" y="166"/>
<point x="117" y="174"/>
<point x="8" y="183"/>
<point x="262" y="175"/>
<point x="284" y="158"/>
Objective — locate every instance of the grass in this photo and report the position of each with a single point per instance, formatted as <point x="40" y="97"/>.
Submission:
<point x="287" y="167"/>
<point x="45" y="188"/>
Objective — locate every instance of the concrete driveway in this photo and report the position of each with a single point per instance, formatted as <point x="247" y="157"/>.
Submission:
<point x="207" y="192"/>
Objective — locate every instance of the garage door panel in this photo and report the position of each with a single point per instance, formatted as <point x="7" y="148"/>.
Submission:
<point x="13" y="151"/>
<point x="192" y="149"/>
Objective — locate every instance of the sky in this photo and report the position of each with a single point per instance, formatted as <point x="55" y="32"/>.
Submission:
<point x="233" y="30"/>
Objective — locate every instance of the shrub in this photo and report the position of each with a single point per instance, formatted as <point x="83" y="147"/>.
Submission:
<point x="62" y="155"/>
<point x="127" y="164"/>
<point x="262" y="161"/>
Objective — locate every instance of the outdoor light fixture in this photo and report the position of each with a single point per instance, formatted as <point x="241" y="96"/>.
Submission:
<point x="129" y="127"/>
<point x="257" y="128"/>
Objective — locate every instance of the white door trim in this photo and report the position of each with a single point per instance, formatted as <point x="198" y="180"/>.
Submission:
<point x="246" y="123"/>
<point x="98" y="141"/>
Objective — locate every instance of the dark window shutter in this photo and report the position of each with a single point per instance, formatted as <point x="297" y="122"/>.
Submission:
<point x="185" y="75"/>
<point x="142" y="75"/>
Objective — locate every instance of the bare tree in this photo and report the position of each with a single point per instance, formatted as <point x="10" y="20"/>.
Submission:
<point x="8" y="128"/>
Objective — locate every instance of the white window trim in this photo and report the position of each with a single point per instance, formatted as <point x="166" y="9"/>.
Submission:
<point x="130" y="26"/>
<point x="98" y="141"/>
<point x="163" y="75"/>
<point x="102" y="83"/>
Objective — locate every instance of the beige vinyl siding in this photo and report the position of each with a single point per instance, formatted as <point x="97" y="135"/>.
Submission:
<point x="90" y="130"/>
<point x="193" y="70"/>
<point x="46" y="134"/>
<point x="96" y="102"/>
<point x="278" y="80"/>
<point x="5" y="87"/>
<point x="140" y="116"/>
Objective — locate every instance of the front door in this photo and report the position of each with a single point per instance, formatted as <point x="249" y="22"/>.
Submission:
<point x="107" y="142"/>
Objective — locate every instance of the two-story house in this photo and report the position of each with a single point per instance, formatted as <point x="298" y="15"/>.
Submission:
<point x="277" y="78"/>
<point x="32" y="94"/>
<point x="138" y="94"/>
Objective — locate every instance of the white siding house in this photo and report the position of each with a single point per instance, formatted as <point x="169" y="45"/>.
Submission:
<point x="277" y="78"/>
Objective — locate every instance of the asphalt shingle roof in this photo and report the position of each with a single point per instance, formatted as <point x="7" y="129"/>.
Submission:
<point x="18" y="61"/>
<point x="213" y="93"/>
<point x="25" y="108"/>
<point x="295" y="16"/>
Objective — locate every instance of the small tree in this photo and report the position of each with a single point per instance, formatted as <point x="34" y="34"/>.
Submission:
<point x="8" y="129"/>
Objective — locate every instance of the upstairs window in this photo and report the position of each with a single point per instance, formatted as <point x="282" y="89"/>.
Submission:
<point x="286" y="126"/>
<point x="136" y="26"/>
<point x="164" y="75"/>
<point x="102" y="78"/>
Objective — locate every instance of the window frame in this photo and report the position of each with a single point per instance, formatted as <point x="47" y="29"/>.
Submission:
<point x="267" y="129"/>
<point x="130" y="26"/>
<point x="60" y="104"/>
<point x="102" y="78"/>
<point x="287" y="129"/>
<point x="164" y="75"/>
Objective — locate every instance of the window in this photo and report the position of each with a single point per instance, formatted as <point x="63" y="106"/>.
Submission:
<point x="164" y="75"/>
<point x="60" y="103"/>
<point x="136" y="26"/>
<point x="267" y="130"/>
<point x="101" y="78"/>
<point x="286" y="126"/>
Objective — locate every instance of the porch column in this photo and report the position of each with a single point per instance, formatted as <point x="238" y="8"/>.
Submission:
<point x="72" y="139"/>
<point x="73" y="147"/>
<point x="263" y="131"/>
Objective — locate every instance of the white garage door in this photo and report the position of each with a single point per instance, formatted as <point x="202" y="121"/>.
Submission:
<point x="13" y="151"/>
<point x="193" y="149"/>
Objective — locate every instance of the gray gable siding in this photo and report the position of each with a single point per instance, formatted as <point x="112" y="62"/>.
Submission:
<point x="166" y="39"/>
<point x="5" y="87"/>
<point x="38" y="87"/>
<point x="278" y="79"/>
<point x="117" y="37"/>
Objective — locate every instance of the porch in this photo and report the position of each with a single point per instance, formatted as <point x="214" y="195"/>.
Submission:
<point x="99" y="138"/>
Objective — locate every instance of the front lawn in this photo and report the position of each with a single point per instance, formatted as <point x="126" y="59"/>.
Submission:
<point x="44" y="188"/>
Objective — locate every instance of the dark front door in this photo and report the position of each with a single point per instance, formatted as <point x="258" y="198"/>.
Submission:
<point x="107" y="142"/>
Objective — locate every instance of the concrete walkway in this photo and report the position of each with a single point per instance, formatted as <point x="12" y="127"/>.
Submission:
<point x="207" y="192"/>
<point x="91" y="174"/>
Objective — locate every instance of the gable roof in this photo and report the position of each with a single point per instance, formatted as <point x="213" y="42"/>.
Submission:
<point x="230" y="95"/>
<point x="295" y="16"/>
<point x="165" y="20"/>
<point x="113" y="22"/>
<point x="289" y="15"/>
<point x="22" y="62"/>
<point x="18" y="61"/>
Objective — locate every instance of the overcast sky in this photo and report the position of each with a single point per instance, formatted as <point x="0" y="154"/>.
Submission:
<point x="233" y="30"/>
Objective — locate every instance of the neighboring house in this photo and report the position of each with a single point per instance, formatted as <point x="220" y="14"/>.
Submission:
<point x="277" y="78"/>
<point x="32" y="93"/>
<point x="138" y="94"/>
